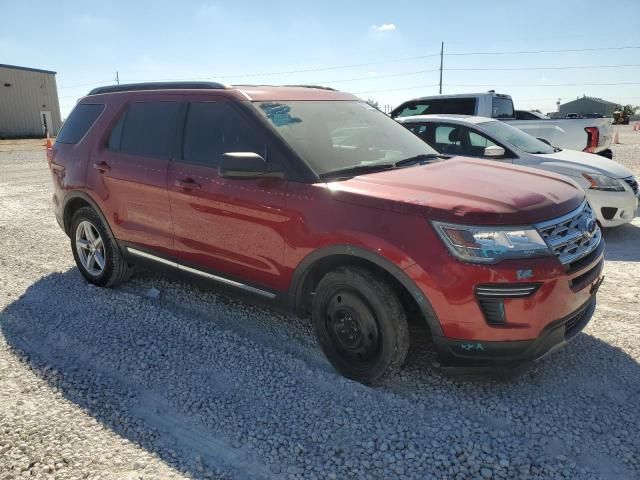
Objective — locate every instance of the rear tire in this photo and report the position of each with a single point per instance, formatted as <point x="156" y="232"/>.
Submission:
<point x="360" y="324"/>
<point x="96" y="251"/>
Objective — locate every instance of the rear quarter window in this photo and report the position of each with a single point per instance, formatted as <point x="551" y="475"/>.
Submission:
<point x="437" y="106"/>
<point x="79" y="122"/>
<point x="502" y="107"/>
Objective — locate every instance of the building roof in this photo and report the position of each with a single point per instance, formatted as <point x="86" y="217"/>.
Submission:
<point x="29" y="69"/>
<point x="593" y="99"/>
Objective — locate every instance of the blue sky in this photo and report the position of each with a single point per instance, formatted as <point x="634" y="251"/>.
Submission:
<point x="86" y="42"/>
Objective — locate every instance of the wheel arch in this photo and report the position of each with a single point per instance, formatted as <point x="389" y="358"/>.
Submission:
<point x="321" y="261"/>
<point x="75" y="200"/>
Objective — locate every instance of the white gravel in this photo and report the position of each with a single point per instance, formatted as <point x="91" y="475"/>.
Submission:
<point x="161" y="379"/>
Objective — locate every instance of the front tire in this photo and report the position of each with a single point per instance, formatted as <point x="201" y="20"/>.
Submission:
<point x="360" y="324"/>
<point x="95" y="250"/>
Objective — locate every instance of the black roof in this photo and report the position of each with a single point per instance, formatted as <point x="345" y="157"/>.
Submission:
<point x="29" y="69"/>
<point x="131" y="87"/>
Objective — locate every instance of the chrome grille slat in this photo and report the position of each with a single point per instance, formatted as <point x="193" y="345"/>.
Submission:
<point x="567" y="235"/>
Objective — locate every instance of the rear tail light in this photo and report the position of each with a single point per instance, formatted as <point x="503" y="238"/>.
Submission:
<point x="593" y="138"/>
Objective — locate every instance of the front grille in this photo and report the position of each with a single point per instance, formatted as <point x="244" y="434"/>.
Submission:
<point x="632" y="183"/>
<point x="573" y="235"/>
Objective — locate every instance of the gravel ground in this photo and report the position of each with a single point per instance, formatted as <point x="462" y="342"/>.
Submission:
<point x="188" y="383"/>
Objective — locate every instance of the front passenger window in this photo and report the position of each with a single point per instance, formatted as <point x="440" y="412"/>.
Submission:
<point x="214" y="128"/>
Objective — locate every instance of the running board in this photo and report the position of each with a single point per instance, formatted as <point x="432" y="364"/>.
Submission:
<point x="210" y="276"/>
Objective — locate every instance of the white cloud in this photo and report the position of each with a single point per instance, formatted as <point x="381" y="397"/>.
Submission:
<point x="385" y="27"/>
<point x="372" y="74"/>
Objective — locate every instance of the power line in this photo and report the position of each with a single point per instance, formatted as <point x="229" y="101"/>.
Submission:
<point x="395" y="89"/>
<point x="502" y="85"/>
<point x="541" y="68"/>
<point x="541" y="84"/>
<point x="522" y="52"/>
<point x="85" y="84"/>
<point x="395" y="60"/>
<point x="376" y="77"/>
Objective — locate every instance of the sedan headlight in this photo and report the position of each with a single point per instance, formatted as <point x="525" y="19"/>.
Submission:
<point x="491" y="244"/>
<point x="602" y="182"/>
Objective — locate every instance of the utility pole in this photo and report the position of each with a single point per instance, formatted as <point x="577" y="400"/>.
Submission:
<point x="441" y="62"/>
<point x="118" y="78"/>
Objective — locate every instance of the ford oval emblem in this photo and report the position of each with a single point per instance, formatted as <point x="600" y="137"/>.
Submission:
<point x="589" y="227"/>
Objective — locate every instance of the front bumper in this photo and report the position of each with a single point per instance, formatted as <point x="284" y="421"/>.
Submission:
<point x="613" y="208"/>
<point x="509" y="357"/>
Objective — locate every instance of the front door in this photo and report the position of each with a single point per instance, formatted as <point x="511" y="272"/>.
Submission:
<point x="128" y="172"/>
<point x="233" y="227"/>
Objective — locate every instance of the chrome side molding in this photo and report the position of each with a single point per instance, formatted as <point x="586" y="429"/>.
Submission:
<point x="210" y="276"/>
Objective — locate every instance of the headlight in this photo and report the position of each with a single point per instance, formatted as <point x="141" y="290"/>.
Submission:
<point x="602" y="182"/>
<point x="491" y="244"/>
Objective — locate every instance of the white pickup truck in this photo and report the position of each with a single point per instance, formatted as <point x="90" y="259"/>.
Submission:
<point x="591" y="135"/>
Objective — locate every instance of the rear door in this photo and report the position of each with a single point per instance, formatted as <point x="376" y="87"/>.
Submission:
<point x="234" y="227"/>
<point x="129" y="171"/>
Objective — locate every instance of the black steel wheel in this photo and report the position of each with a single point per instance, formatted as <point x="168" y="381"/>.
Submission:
<point x="360" y="324"/>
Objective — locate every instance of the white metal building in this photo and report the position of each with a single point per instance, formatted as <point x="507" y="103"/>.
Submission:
<point x="29" y="105"/>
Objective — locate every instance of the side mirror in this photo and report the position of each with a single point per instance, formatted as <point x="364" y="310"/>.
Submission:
<point x="245" y="165"/>
<point x="544" y="140"/>
<point x="494" y="151"/>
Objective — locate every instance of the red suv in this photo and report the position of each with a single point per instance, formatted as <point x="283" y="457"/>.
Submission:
<point x="310" y="197"/>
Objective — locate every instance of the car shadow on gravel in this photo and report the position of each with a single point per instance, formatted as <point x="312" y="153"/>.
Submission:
<point x="214" y="400"/>
<point x="623" y="243"/>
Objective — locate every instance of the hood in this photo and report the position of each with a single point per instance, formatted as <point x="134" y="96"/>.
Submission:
<point x="572" y="162"/>
<point x="465" y="190"/>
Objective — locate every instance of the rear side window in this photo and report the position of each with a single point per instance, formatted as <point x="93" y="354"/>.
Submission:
<point x="79" y="122"/>
<point x="147" y="129"/>
<point x="502" y="107"/>
<point x="455" y="106"/>
<point x="214" y="128"/>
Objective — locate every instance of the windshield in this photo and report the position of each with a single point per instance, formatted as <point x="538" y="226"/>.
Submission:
<point x="523" y="141"/>
<point x="337" y="135"/>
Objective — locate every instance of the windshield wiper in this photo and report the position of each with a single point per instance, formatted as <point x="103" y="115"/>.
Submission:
<point x="357" y="170"/>
<point x="423" y="158"/>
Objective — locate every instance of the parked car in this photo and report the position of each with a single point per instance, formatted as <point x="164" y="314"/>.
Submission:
<point x="611" y="188"/>
<point x="573" y="115"/>
<point x="588" y="135"/>
<point x="315" y="200"/>
<point x="530" y="115"/>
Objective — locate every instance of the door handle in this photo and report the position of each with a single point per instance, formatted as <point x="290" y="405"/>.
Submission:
<point x="187" y="184"/>
<point x="102" y="167"/>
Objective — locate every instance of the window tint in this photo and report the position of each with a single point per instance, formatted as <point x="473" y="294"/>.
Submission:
<point x="79" y="122"/>
<point x="502" y="107"/>
<point x="457" y="106"/>
<point x="147" y="129"/>
<point x="116" y="134"/>
<point x="444" y="135"/>
<point x="477" y="140"/>
<point x="215" y="128"/>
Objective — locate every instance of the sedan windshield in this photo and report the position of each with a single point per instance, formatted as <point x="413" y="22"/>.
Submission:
<point x="341" y="135"/>
<point x="508" y="134"/>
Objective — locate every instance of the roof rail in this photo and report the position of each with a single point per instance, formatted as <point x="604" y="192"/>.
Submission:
<point x="132" y="87"/>
<point x="321" y="87"/>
